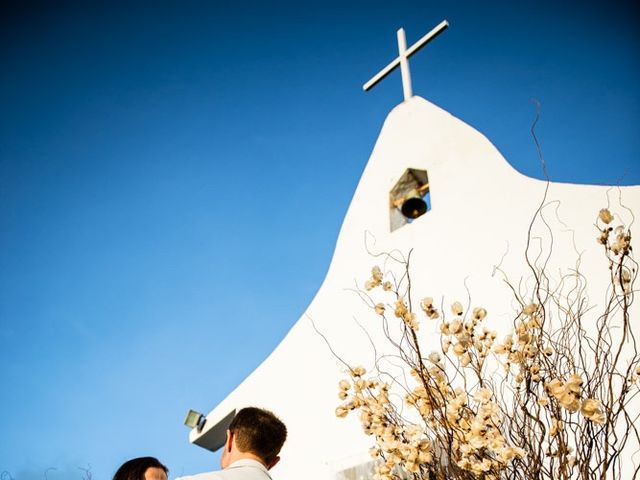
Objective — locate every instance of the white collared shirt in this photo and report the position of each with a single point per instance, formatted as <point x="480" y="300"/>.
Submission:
<point x="245" y="469"/>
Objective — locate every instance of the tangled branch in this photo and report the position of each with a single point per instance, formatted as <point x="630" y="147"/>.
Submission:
<point x="548" y="401"/>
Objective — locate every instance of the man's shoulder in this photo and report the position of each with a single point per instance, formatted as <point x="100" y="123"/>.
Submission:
<point x="240" y="470"/>
<point x="203" y="476"/>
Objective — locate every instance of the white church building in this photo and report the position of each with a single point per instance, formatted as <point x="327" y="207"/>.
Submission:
<point x="467" y="229"/>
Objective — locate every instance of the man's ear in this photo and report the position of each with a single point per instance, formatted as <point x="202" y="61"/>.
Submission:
<point x="229" y="443"/>
<point x="273" y="463"/>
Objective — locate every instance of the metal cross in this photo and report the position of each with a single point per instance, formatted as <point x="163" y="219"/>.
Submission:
<point x="403" y="59"/>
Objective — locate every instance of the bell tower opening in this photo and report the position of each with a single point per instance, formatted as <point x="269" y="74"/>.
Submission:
<point x="409" y="198"/>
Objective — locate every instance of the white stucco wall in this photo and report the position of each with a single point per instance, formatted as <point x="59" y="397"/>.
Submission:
<point x="481" y="209"/>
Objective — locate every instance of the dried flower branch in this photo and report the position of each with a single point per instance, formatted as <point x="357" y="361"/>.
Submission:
<point x="560" y="408"/>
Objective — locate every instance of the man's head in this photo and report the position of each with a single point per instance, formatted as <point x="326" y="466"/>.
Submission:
<point x="254" y="433"/>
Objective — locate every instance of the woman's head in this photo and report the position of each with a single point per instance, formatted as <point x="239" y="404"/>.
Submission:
<point x="143" y="468"/>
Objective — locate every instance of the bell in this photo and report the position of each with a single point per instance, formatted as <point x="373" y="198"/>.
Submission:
<point x="414" y="206"/>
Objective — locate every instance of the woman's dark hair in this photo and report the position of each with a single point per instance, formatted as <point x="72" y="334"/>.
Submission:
<point x="134" y="469"/>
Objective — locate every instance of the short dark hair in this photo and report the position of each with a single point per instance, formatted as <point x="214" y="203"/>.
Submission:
<point x="134" y="469"/>
<point x="258" y="431"/>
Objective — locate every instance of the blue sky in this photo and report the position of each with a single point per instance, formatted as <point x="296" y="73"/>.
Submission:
<point x="173" y="176"/>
